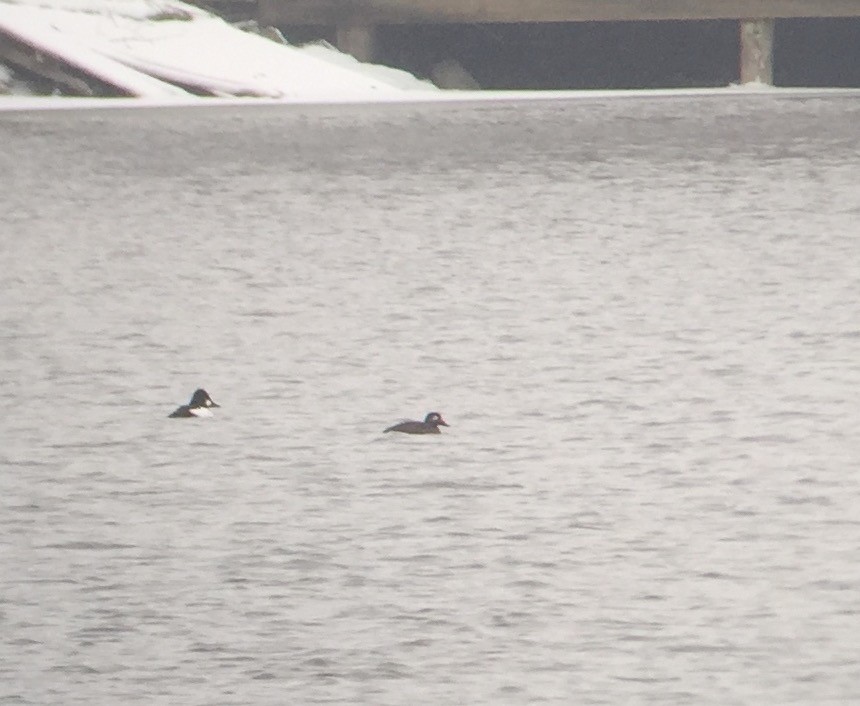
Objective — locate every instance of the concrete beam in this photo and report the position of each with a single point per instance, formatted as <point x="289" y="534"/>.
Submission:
<point x="757" y="51"/>
<point x="376" y="12"/>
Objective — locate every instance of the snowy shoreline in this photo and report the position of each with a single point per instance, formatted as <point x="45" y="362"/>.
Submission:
<point x="170" y="50"/>
<point x="48" y="103"/>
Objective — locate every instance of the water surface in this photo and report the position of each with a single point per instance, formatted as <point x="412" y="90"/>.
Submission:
<point x="639" y="316"/>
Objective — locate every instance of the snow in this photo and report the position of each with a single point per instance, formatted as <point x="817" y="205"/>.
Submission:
<point x="149" y="48"/>
<point x="18" y="23"/>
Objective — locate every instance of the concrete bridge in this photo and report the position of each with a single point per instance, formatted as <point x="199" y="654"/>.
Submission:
<point x="355" y="21"/>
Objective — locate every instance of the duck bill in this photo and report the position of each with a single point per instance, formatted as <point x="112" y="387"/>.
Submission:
<point x="443" y="423"/>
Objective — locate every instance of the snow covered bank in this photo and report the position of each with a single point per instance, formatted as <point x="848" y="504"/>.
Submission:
<point x="56" y="49"/>
<point x="150" y="48"/>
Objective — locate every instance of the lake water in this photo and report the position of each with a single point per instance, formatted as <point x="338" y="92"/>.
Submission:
<point x="640" y="316"/>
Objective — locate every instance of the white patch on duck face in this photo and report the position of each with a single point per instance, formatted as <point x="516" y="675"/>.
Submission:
<point x="201" y="412"/>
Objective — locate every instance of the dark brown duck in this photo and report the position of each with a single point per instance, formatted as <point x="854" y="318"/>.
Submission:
<point x="430" y="425"/>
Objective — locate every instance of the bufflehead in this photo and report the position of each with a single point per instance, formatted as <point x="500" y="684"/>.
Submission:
<point x="430" y="425"/>
<point x="200" y="406"/>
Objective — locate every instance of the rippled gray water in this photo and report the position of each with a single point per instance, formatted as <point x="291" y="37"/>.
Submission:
<point x="640" y="317"/>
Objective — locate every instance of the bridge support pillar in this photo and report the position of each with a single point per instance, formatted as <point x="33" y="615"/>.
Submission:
<point x="757" y="51"/>
<point x="358" y="40"/>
